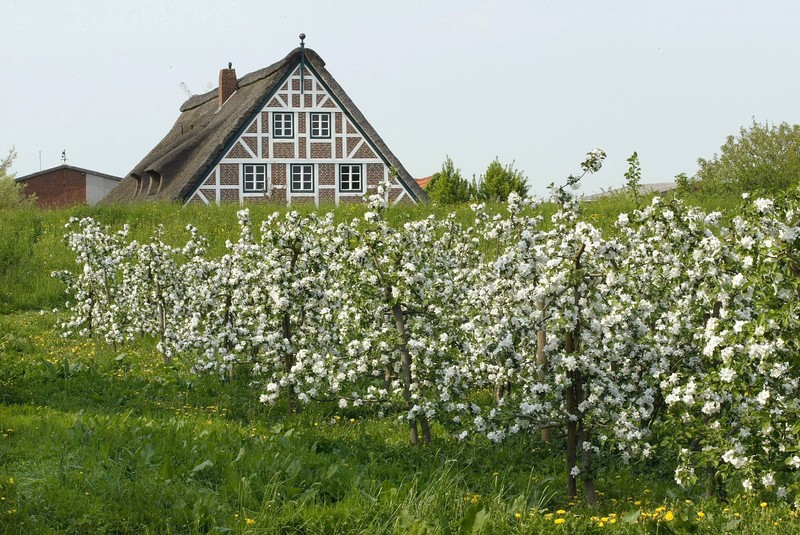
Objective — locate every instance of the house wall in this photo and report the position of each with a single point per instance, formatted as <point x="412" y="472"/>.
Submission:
<point x="258" y="145"/>
<point x="60" y="187"/>
<point x="98" y="187"/>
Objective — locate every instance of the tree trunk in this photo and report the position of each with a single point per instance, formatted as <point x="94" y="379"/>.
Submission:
<point x="711" y="481"/>
<point x="387" y="378"/>
<point x="587" y="470"/>
<point x="541" y="361"/>
<point x="162" y="313"/>
<point x="574" y="391"/>
<point x="288" y="363"/>
<point x="572" y="438"/>
<point x="400" y="324"/>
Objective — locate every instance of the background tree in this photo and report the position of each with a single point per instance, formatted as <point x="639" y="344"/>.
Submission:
<point x="448" y="186"/>
<point x="498" y="182"/>
<point x="761" y="158"/>
<point x="10" y="191"/>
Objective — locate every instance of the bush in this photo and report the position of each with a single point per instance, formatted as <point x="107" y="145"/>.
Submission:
<point x="764" y="158"/>
<point x="10" y="191"/>
<point x="448" y="186"/>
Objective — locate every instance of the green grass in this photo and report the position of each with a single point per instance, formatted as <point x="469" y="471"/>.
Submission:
<point x="101" y="440"/>
<point x="96" y="440"/>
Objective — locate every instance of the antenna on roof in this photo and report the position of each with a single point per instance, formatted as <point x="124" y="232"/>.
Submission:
<point x="185" y="89"/>
<point x="302" y="61"/>
<point x="64" y="156"/>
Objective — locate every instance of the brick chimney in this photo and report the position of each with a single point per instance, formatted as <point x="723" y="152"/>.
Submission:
<point x="227" y="84"/>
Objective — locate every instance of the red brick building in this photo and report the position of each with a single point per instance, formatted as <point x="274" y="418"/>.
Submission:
<point x="287" y="133"/>
<point x="67" y="185"/>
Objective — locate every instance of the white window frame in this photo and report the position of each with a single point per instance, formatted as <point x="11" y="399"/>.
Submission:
<point x="282" y="124"/>
<point x="254" y="177"/>
<point x="320" y="125"/>
<point x="301" y="177"/>
<point x="347" y="177"/>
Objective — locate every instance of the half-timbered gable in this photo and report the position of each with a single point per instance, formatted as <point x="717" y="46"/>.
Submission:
<point x="286" y="134"/>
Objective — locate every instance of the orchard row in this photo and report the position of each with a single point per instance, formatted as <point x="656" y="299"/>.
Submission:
<point x="673" y="333"/>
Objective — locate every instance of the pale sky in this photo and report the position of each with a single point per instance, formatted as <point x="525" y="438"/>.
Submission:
<point x="535" y="82"/>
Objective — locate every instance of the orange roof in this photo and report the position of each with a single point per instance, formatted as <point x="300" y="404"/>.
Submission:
<point x="423" y="181"/>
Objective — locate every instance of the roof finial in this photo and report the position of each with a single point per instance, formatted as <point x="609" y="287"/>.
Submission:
<point x="230" y="65"/>
<point x="64" y="156"/>
<point x="302" y="63"/>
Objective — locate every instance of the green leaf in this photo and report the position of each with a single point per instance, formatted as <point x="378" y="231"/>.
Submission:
<point x="208" y="463"/>
<point x="631" y="517"/>
<point x="473" y="520"/>
<point x="167" y="470"/>
<point x="733" y="524"/>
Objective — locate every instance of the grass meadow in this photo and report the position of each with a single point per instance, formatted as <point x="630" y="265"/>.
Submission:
<point x="96" y="439"/>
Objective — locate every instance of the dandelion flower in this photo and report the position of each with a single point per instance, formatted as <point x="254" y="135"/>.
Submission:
<point x="559" y="521"/>
<point x="669" y="516"/>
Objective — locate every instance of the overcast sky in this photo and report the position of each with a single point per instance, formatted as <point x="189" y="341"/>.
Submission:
<point x="535" y="82"/>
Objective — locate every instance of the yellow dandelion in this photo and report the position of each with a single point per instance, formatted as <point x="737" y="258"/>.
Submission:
<point x="669" y="516"/>
<point x="701" y="515"/>
<point x="763" y="505"/>
<point x="250" y="521"/>
<point x="517" y="515"/>
<point x="561" y="512"/>
<point x="559" y="521"/>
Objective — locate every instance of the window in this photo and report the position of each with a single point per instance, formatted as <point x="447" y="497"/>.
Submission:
<point x="255" y="177"/>
<point x="320" y="125"/>
<point x="282" y="124"/>
<point x="350" y="178"/>
<point x="302" y="178"/>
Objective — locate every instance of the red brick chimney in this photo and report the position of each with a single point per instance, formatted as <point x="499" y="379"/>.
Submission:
<point x="227" y="84"/>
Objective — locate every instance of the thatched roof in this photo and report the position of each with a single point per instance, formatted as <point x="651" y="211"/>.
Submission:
<point x="204" y="132"/>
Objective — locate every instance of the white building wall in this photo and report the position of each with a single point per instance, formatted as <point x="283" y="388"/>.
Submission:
<point x="98" y="187"/>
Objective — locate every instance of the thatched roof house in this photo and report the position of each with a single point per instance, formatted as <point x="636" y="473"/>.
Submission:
<point x="287" y="133"/>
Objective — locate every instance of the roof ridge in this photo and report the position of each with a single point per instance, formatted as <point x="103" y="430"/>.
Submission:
<point x="249" y="78"/>
<point x="67" y="166"/>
